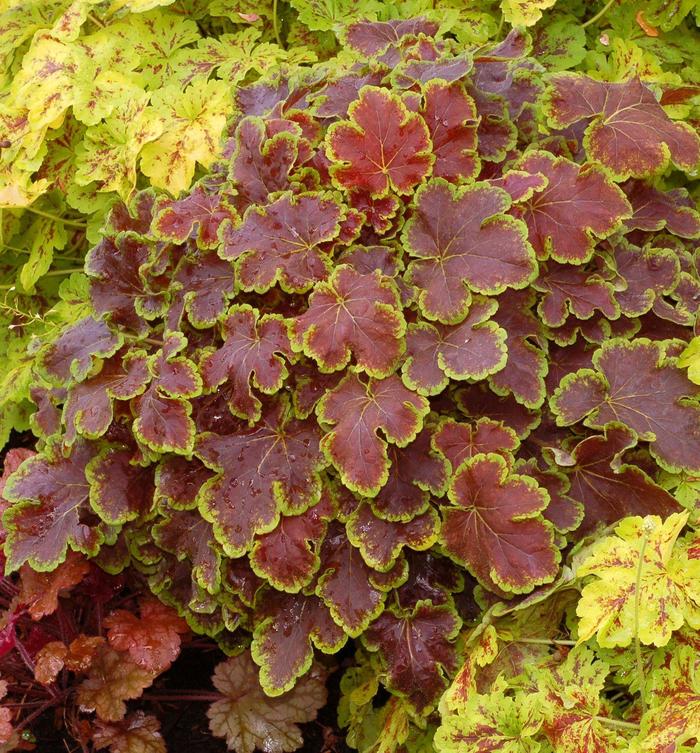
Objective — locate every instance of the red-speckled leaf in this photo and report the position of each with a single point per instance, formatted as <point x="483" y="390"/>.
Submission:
<point x="635" y="384"/>
<point x="628" y="132"/>
<point x="50" y="510"/>
<point x="357" y="410"/>
<point x="198" y="216"/>
<point x="346" y="583"/>
<point x="655" y="210"/>
<point x="526" y="364"/>
<point x="89" y="407"/>
<point x="178" y="481"/>
<point x="70" y="356"/>
<point x="252" y="353"/>
<point x="647" y="275"/>
<point x="381" y="147"/>
<point x="438" y="353"/>
<point x="495" y="527"/>
<point x="578" y="205"/>
<point x="288" y="556"/>
<point x="458" y="442"/>
<point x="119" y="490"/>
<point x="573" y="290"/>
<point x="381" y="541"/>
<point x="201" y="285"/>
<point x="280" y="242"/>
<point x="288" y="628"/>
<point x="464" y="241"/>
<point x="416" y="472"/>
<point x="187" y="535"/>
<point x="452" y="120"/>
<point x="152" y="639"/>
<point x="372" y="37"/>
<point x="39" y="592"/>
<point x="352" y="314"/>
<point x="418" y="650"/>
<point x="608" y="488"/>
<point x="261" y="471"/>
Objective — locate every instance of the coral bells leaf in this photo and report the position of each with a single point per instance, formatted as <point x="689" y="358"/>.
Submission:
<point x="577" y="205"/>
<point x="496" y="528"/>
<point x="635" y="384"/>
<point x="40" y="591"/>
<point x="280" y="242"/>
<point x="646" y="585"/>
<point x="458" y="442"/>
<point x="252" y="352"/>
<point x="472" y="349"/>
<point x="628" y="130"/>
<point x="371" y="37"/>
<point x="352" y="314"/>
<point x="250" y="720"/>
<point x="418" y="649"/>
<point x="151" y="640"/>
<point x="50" y="511"/>
<point x="463" y="241"/>
<point x="382" y="147"/>
<point x="137" y="733"/>
<point x="262" y="471"/>
<point x="356" y="411"/>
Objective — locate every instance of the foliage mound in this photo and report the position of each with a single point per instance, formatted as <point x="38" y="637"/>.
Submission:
<point x="382" y="372"/>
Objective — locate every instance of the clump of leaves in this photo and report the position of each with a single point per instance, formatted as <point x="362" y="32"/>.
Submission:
<point x="412" y="337"/>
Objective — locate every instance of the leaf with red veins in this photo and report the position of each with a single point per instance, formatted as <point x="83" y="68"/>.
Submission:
<point x="464" y="241"/>
<point x="437" y="353"/>
<point x="50" y="511"/>
<point x="372" y="37"/>
<point x="201" y="287"/>
<point x="608" y="488"/>
<point x="198" y="215"/>
<point x="39" y="592"/>
<point x="636" y="384"/>
<point x="281" y="242"/>
<point x="526" y="364"/>
<point x="356" y="411"/>
<point x="647" y="275"/>
<point x="262" y="163"/>
<point x="573" y="290"/>
<point x="337" y="95"/>
<point x="120" y="490"/>
<point x="417" y="648"/>
<point x="112" y="680"/>
<point x="563" y="512"/>
<point x="346" y="583"/>
<point x="352" y="314"/>
<point x="137" y="733"/>
<point x="187" y="535"/>
<point x="252" y="352"/>
<point x="578" y="205"/>
<point x="288" y="556"/>
<point x="178" y="481"/>
<point x="458" y="442"/>
<point x="477" y="401"/>
<point x="452" y="120"/>
<point x="287" y="628"/>
<point x="70" y="357"/>
<point x="495" y="527"/>
<point x="655" y="210"/>
<point x="381" y="541"/>
<point x="152" y="640"/>
<point x="382" y="147"/>
<point x="627" y="130"/>
<point x="263" y="470"/>
<point x="162" y="412"/>
<point x="89" y="408"/>
<point x="416" y="473"/>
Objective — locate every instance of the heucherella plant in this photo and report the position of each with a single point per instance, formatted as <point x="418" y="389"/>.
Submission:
<point x="408" y="341"/>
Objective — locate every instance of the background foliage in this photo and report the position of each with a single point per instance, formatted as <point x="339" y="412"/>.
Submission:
<point x="412" y="416"/>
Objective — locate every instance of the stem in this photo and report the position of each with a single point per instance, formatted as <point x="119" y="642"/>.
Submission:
<point x="599" y="14"/>
<point x="56" y="218"/>
<point x="27" y="251"/>
<point x="59" y="272"/>
<point x="96" y="21"/>
<point x="545" y="641"/>
<point x="188" y="696"/>
<point x="637" y="644"/>
<point x="275" y="25"/>
<point x="617" y="723"/>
